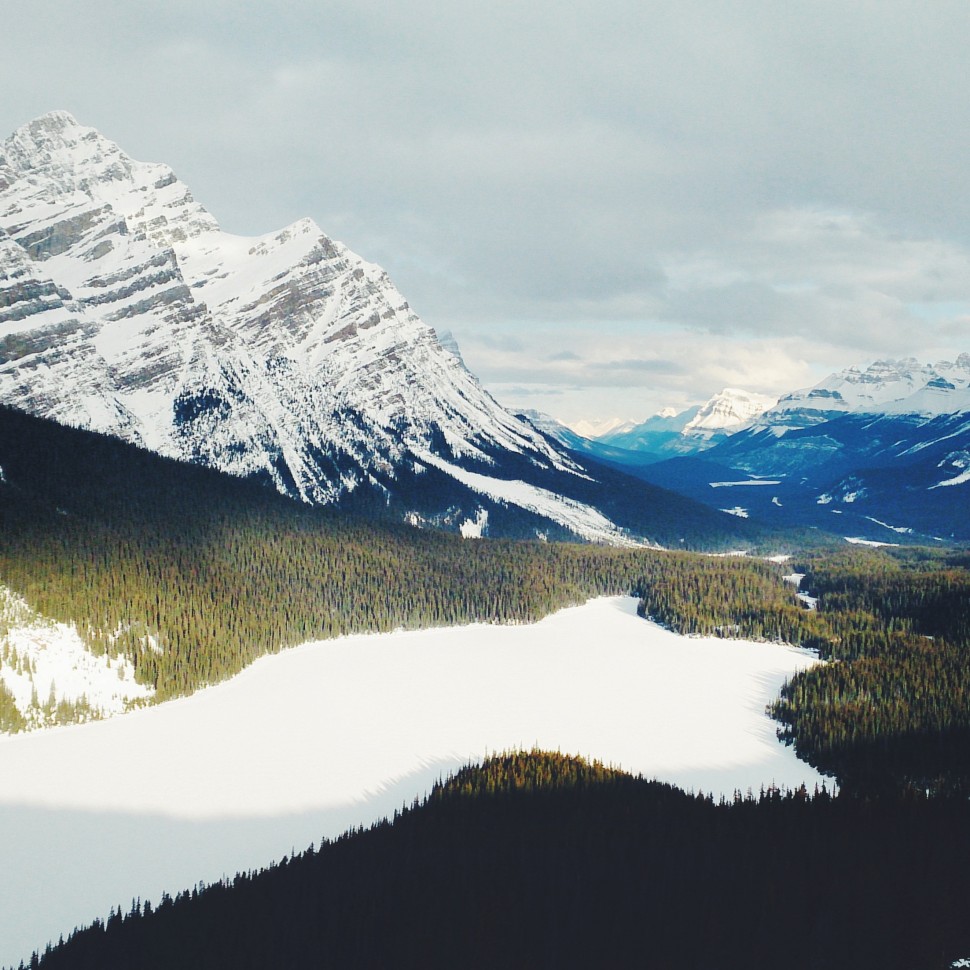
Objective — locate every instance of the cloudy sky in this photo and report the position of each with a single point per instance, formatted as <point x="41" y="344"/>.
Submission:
<point x="614" y="206"/>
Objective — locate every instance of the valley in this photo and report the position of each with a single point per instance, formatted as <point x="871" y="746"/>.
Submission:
<point x="332" y="735"/>
<point x="867" y="453"/>
<point x="277" y="568"/>
<point x="336" y="734"/>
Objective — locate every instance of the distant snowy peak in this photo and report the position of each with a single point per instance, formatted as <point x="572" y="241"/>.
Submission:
<point x="671" y="432"/>
<point x="650" y="436"/>
<point x="550" y="426"/>
<point x="600" y="429"/>
<point x="878" y="384"/>
<point x="728" y="411"/>
<point x="902" y="387"/>
<point x="447" y="340"/>
<point x="125" y="309"/>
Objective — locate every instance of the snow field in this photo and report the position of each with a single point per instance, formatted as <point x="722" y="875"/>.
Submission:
<point x="338" y="733"/>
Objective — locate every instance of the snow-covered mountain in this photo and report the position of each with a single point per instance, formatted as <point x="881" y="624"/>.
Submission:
<point x="586" y="428"/>
<point x="884" y="387"/>
<point x="124" y="308"/>
<point x="885" y="446"/>
<point x="726" y="413"/>
<point x="669" y="432"/>
<point x="649" y="438"/>
<point x="578" y="444"/>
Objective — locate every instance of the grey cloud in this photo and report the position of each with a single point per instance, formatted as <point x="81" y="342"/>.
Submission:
<point x="502" y="342"/>
<point x="564" y="355"/>
<point x="668" y="367"/>
<point x="516" y="390"/>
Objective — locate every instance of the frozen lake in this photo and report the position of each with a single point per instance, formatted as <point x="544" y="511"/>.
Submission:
<point x="338" y="733"/>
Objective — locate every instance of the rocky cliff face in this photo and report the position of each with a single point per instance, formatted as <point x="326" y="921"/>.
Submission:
<point x="124" y="308"/>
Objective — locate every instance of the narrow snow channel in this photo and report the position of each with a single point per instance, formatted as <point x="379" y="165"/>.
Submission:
<point x="338" y="733"/>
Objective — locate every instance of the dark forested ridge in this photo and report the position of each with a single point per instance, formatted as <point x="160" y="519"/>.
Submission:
<point x="538" y="860"/>
<point x="893" y="709"/>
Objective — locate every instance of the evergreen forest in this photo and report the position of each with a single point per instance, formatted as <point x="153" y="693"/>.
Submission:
<point x="543" y="861"/>
<point x="193" y="574"/>
<point x="891" y="708"/>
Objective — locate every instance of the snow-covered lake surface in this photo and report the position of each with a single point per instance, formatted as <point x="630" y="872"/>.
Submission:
<point x="333" y="734"/>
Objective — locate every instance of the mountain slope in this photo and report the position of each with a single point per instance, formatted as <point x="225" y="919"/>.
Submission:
<point x="125" y="309"/>
<point x="881" y="451"/>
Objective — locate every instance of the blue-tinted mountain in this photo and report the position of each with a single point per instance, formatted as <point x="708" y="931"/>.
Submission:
<point x="879" y="452"/>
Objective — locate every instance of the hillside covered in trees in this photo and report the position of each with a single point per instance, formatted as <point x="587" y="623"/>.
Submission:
<point x="539" y="860"/>
<point x="891" y="709"/>
<point x="192" y="575"/>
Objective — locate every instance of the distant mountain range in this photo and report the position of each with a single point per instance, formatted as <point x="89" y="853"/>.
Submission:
<point x="878" y="452"/>
<point x="124" y="308"/>
<point x="700" y="427"/>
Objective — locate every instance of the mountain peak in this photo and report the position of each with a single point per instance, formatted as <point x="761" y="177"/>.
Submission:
<point x="600" y="428"/>
<point x="56" y="120"/>
<point x="728" y="410"/>
<point x="49" y="133"/>
<point x="963" y="362"/>
<point x="885" y="386"/>
<point x="284" y="357"/>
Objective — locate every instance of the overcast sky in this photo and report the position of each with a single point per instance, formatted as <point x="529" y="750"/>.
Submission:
<point x="614" y="206"/>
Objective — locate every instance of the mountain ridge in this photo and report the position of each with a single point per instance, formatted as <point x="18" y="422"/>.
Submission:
<point x="124" y="308"/>
<point x="878" y="452"/>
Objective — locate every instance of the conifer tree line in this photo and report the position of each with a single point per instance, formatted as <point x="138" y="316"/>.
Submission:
<point x="894" y="708"/>
<point x="538" y="860"/>
<point x="193" y="598"/>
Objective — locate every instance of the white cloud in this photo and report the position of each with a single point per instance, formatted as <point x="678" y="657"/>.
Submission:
<point x="631" y="376"/>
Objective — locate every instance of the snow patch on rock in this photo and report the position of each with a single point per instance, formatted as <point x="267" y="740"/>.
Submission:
<point x="582" y="519"/>
<point x="475" y="528"/>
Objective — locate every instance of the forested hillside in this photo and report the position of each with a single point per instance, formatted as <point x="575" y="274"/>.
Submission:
<point x="540" y="860"/>
<point x="192" y="574"/>
<point x="892" y="708"/>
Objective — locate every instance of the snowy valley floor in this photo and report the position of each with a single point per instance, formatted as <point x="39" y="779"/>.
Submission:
<point x="338" y="733"/>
